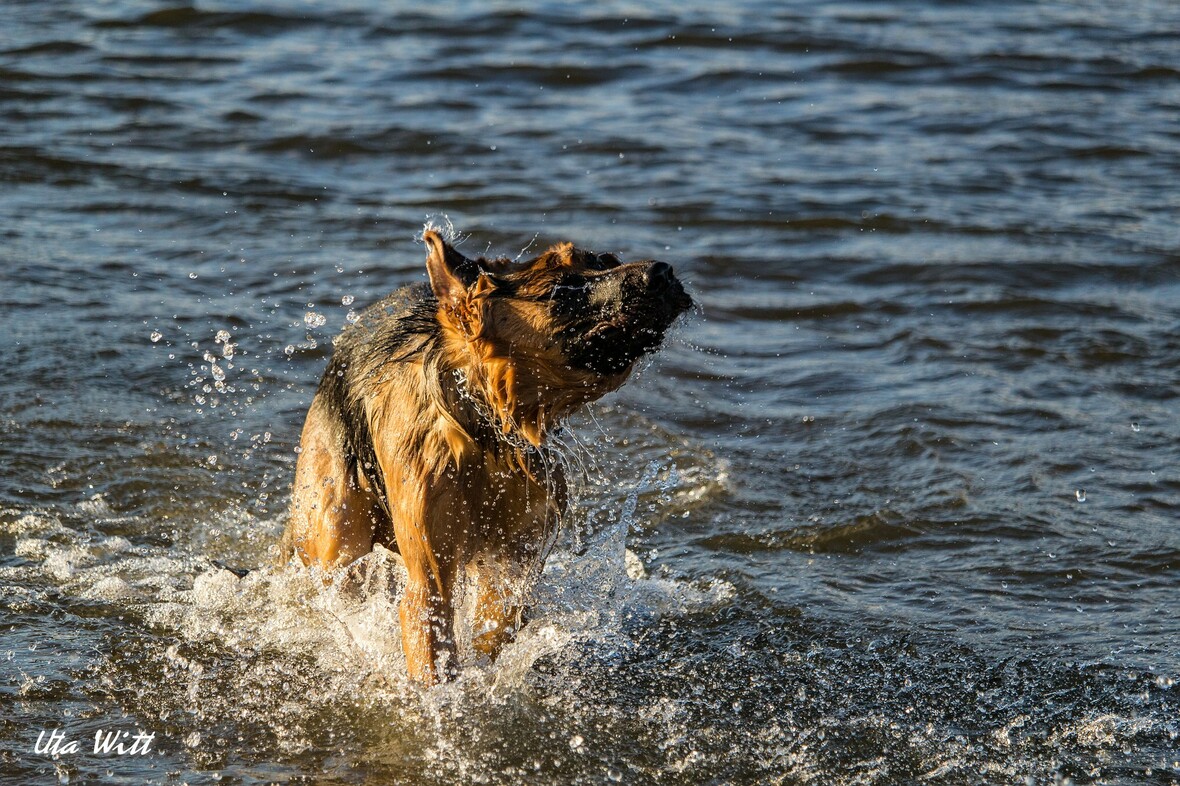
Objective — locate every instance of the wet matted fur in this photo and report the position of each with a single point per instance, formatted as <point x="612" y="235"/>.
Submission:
<point x="428" y="434"/>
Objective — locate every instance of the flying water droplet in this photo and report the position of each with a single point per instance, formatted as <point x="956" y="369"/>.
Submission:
<point x="1081" y="495"/>
<point x="156" y="336"/>
<point x="1135" y="426"/>
<point x="229" y="348"/>
<point x="347" y="300"/>
<point x="314" y="320"/>
<point x="352" y="317"/>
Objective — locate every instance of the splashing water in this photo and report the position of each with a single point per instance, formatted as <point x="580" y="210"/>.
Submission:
<point x="904" y="360"/>
<point x="277" y="660"/>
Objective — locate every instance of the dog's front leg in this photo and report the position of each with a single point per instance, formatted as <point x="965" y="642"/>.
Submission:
<point x="498" y="611"/>
<point x="504" y="577"/>
<point x="427" y="619"/>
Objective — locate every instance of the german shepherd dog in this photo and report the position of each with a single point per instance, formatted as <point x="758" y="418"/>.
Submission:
<point x="428" y="434"/>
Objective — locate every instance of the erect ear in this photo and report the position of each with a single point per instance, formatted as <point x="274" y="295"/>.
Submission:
<point x="451" y="273"/>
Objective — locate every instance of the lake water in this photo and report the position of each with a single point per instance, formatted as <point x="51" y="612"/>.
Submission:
<point x="904" y="490"/>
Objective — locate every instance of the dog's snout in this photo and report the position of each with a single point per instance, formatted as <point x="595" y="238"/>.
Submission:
<point x="659" y="275"/>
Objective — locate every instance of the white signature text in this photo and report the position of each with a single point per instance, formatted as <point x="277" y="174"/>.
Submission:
<point x="119" y="743"/>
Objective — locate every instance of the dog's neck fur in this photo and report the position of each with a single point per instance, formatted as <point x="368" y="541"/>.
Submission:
<point x="486" y="408"/>
<point x="469" y="404"/>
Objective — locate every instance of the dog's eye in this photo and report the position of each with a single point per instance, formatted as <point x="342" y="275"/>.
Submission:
<point x="570" y="296"/>
<point x="568" y="290"/>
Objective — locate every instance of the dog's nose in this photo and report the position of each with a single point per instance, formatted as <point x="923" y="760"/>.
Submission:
<point x="659" y="274"/>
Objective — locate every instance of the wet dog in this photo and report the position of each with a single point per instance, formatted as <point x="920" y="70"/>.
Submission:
<point x="428" y="434"/>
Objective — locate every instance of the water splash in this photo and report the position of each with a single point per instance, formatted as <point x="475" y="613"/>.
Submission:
<point x="213" y="656"/>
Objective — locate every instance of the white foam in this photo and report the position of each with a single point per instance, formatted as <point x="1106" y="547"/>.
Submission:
<point x="279" y="645"/>
<point x="112" y="589"/>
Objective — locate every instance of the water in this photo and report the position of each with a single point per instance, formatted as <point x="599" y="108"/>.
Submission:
<point x="900" y="502"/>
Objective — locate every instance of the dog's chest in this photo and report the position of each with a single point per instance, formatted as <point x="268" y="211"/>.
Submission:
<point x="510" y="501"/>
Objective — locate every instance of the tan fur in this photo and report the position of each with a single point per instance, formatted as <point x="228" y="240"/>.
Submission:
<point x="455" y="508"/>
<point x="346" y="513"/>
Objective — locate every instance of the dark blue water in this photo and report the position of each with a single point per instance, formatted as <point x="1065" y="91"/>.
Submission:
<point x="898" y="505"/>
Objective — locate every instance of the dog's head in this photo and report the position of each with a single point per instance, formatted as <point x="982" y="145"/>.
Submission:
<point x="548" y="334"/>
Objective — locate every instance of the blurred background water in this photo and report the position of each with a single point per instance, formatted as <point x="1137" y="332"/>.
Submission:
<point x="904" y="491"/>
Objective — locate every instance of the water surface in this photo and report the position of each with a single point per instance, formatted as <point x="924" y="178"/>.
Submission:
<point x="904" y="491"/>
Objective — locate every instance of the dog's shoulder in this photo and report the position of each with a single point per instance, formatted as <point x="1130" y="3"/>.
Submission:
<point x="398" y="305"/>
<point x="398" y="325"/>
<point x="370" y="357"/>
